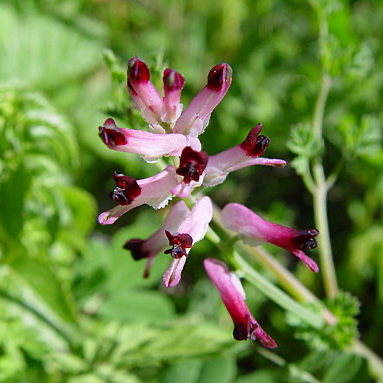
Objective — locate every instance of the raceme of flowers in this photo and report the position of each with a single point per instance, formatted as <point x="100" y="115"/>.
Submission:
<point x="174" y="132"/>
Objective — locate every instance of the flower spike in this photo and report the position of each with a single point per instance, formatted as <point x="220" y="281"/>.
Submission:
<point x="192" y="230"/>
<point x="245" y="154"/>
<point x="233" y="297"/>
<point x="196" y="116"/>
<point x="255" y="230"/>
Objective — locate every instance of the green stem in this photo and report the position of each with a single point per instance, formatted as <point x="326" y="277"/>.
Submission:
<point x="320" y="106"/>
<point x="319" y="193"/>
<point x="276" y="294"/>
<point x="324" y="241"/>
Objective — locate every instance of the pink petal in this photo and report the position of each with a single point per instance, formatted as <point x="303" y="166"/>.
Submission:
<point x="143" y="92"/>
<point x="195" y="117"/>
<point x="231" y="291"/>
<point x="150" y="146"/>
<point x="157" y="242"/>
<point x="155" y="192"/>
<point x="173" y="85"/>
<point x="256" y="230"/>
<point x="173" y="274"/>
<point x="240" y="156"/>
<point x="197" y="222"/>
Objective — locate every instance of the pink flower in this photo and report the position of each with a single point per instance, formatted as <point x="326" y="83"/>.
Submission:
<point x="192" y="229"/>
<point x="148" y="145"/>
<point x="158" y="241"/>
<point x="233" y="297"/>
<point x="255" y="230"/>
<point x="143" y="92"/>
<point x="129" y="193"/>
<point x="196" y="116"/>
<point x="245" y="154"/>
<point x="173" y="85"/>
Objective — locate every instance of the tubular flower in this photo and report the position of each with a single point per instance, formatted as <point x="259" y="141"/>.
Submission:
<point x="245" y="154"/>
<point x="154" y="191"/>
<point x="158" y="241"/>
<point x="191" y="230"/>
<point x="196" y="116"/>
<point x="255" y="230"/>
<point x="149" y="146"/>
<point x="233" y="297"/>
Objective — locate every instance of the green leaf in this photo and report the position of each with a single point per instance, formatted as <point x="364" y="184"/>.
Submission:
<point x="82" y="208"/>
<point x="137" y="306"/>
<point x="45" y="284"/>
<point x="221" y="370"/>
<point x="192" y="340"/>
<point x="48" y="44"/>
<point x="347" y="368"/>
<point x="261" y="376"/>
<point x="185" y="372"/>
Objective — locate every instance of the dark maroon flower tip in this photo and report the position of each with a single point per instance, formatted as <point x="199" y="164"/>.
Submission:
<point x="126" y="190"/>
<point x="135" y="247"/>
<point x="240" y="332"/>
<point x="192" y="164"/>
<point x="254" y="144"/>
<point x="110" y="134"/>
<point x="172" y="80"/>
<point x="138" y="71"/>
<point x="179" y="243"/>
<point x="305" y="240"/>
<point x="219" y="76"/>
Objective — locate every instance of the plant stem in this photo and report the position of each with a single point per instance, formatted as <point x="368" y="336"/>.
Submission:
<point x="324" y="242"/>
<point x="320" y="106"/>
<point x="319" y="194"/>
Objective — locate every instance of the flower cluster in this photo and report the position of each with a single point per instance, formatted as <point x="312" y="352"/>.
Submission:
<point x="174" y="132"/>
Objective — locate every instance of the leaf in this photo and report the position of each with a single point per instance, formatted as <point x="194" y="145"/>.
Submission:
<point x="55" y="52"/>
<point x="137" y="306"/>
<point x="185" y="372"/>
<point x="193" y="340"/>
<point x="346" y="368"/>
<point x="44" y="282"/>
<point x="82" y="207"/>
<point x="221" y="370"/>
<point x="261" y="376"/>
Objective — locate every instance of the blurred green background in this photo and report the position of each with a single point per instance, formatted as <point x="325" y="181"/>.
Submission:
<point x="73" y="304"/>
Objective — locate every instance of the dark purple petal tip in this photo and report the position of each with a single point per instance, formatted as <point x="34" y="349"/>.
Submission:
<point x="179" y="243"/>
<point x="135" y="247"/>
<point x="111" y="135"/>
<point x="219" y="76"/>
<point x="305" y="239"/>
<point x="126" y="190"/>
<point x="172" y="80"/>
<point x="254" y="144"/>
<point x="138" y="71"/>
<point x="192" y="164"/>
